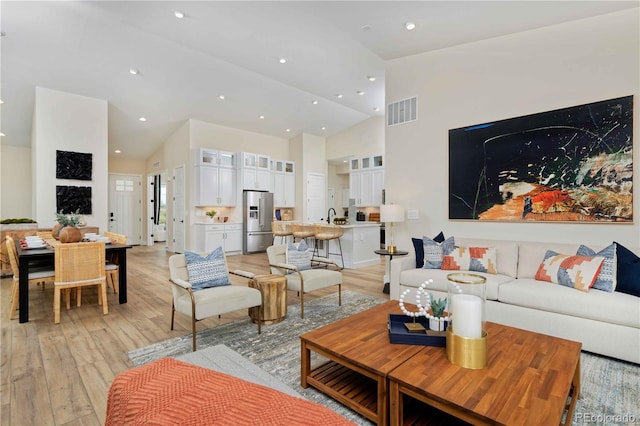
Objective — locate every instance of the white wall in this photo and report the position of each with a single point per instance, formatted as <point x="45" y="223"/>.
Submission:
<point x="15" y="181"/>
<point x="363" y="139"/>
<point x="554" y="67"/>
<point x="67" y="122"/>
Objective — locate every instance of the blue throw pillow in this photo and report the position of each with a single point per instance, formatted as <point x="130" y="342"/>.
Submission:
<point x="419" y="249"/>
<point x="433" y="252"/>
<point x="299" y="256"/>
<point x="209" y="271"/>
<point x="606" y="279"/>
<point x="628" y="269"/>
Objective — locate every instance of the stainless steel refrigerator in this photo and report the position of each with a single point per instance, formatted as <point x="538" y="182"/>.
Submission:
<point x="258" y="215"/>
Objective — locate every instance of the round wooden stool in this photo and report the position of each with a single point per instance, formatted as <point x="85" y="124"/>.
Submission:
<point x="274" y="299"/>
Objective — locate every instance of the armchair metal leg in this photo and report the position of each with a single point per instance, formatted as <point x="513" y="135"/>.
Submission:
<point x="173" y="314"/>
<point x="193" y="332"/>
<point x="302" y="304"/>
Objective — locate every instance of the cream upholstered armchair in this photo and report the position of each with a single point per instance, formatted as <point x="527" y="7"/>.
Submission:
<point x="206" y="302"/>
<point x="305" y="280"/>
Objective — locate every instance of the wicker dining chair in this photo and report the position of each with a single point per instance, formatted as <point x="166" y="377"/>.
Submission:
<point x="79" y="265"/>
<point x="40" y="276"/>
<point x="111" y="267"/>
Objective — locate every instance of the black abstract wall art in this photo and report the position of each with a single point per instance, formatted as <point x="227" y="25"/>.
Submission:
<point x="573" y="164"/>
<point x="73" y="165"/>
<point x="70" y="199"/>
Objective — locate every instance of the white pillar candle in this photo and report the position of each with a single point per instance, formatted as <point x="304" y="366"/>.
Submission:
<point x="467" y="316"/>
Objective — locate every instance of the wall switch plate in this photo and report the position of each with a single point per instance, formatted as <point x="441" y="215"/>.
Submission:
<point x="412" y="214"/>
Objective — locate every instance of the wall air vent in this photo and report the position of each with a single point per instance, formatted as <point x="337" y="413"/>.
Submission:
<point x="402" y="111"/>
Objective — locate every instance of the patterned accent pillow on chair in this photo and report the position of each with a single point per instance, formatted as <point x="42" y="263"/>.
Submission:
<point x="578" y="272"/>
<point x="479" y="259"/>
<point x="299" y="256"/>
<point x="209" y="271"/>
<point x="434" y="251"/>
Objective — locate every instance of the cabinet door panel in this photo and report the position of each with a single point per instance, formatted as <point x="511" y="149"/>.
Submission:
<point x="227" y="187"/>
<point x="233" y="241"/>
<point x="289" y="190"/>
<point x="206" y="186"/>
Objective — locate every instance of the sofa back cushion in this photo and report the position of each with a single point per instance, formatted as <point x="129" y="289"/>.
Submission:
<point x="506" y="253"/>
<point x="531" y="255"/>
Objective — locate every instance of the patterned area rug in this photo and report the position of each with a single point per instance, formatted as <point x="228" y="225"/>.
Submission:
<point x="610" y="388"/>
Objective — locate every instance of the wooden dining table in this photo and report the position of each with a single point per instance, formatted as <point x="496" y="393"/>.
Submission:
<point x="29" y="258"/>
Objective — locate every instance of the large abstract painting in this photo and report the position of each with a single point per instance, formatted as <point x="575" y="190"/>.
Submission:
<point x="571" y="164"/>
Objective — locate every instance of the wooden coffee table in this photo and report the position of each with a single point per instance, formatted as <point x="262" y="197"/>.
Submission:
<point x="529" y="379"/>
<point x="360" y="360"/>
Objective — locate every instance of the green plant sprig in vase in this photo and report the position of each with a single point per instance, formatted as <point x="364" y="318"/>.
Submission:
<point x="437" y="310"/>
<point x="211" y="214"/>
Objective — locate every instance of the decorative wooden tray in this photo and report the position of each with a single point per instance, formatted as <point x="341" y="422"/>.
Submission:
<point x="398" y="333"/>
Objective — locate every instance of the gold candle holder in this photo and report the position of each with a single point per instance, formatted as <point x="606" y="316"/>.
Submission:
<point x="467" y="352"/>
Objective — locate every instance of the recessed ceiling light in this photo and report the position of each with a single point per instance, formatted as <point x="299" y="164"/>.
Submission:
<point x="282" y="60"/>
<point x="1" y="135"/>
<point x="345" y="161"/>
<point x="339" y="95"/>
<point x="261" y="117"/>
<point x="142" y="119"/>
<point x="133" y="71"/>
<point x="314" y="102"/>
<point x="360" y="92"/>
<point x="178" y="14"/>
<point x="323" y="128"/>
<point x="371" y="78"/>
<point x="376" y="109"/>
<point x="1" y="101"/>
<point x="287" y="130"/>
<point x="117" y="151"/>
<point x="410" y="25"/>
<point x="366" y="27"/>
<point x="221" y="97"/>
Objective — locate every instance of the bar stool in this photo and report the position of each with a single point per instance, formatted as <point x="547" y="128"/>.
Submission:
<point x="327" y="233"/>
<point x="281" y="229"/>
<point x="302" y="231"/>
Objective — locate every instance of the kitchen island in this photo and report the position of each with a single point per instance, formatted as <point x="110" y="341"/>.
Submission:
<point x="359" y="242"/>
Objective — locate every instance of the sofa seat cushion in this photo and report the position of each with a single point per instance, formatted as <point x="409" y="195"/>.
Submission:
<point x="615" y="308"/>
<point x="415" y="277"/>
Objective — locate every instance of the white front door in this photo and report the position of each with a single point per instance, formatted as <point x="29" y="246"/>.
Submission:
<point x="178" y="210"/>
<point x="125" y="202"/>
<point x="316" y="201"/>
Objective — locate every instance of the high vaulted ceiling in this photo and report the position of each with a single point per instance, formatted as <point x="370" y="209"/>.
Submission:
<point x="233" y="48"/>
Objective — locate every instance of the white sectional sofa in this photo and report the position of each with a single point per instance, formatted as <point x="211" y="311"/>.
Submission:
<point x="606" y="323"/>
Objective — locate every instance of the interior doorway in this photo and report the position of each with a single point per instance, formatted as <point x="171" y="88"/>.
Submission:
<point x="157" y="208"/>
<point x="316" y="201"/>
<point x="125" y="206"/>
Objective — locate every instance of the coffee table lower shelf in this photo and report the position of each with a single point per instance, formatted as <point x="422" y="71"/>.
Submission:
<point x="356" y="391"/>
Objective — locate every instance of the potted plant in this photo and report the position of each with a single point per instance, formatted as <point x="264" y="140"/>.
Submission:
<point x="437" y="310"/>
<point x="66" y="229"/>
<point x="211" y="214"/>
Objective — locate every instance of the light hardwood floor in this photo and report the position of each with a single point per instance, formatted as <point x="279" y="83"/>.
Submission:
<point x="60" y="374"/>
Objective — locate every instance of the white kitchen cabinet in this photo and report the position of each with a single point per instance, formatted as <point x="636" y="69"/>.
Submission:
<point x="215" y="186"/>
<point x="208" y="237"/>
<point x="255" y="172"/>
<point x="215" y="178"/>
<point x="284" y="183"/>
<point x="366" y="180"/>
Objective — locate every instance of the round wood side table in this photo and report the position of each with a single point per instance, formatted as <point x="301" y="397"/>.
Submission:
<point x="274" y="299"/>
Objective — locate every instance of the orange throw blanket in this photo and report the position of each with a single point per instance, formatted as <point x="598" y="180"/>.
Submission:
<point x="172" y="392"/>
